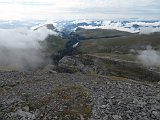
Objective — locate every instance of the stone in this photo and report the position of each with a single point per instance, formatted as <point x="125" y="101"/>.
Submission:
<point x="26" y="108"/>
<point x="103" y="106"/>
<point x="105" y="117"/>
<point x="158" y="98"/>
<point x="117" y="117"/>
<point x="81" y="116"/>
<point x="156" y="114"/>
<point x="112" y="97"/>
<point x="23" y="115"/>
<point x="157" y="107"/>
<point x="139" y="102"/>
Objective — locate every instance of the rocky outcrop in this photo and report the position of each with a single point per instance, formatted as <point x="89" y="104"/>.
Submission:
<point x="90" y="64"/>
<point x="48" y="26"/>
<point x="72" y="64"/>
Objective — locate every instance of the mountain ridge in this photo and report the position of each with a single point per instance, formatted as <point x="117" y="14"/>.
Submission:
<point x="67" y="26"/>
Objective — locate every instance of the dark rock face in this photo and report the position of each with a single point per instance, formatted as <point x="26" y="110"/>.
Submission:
<point x="84" y="64"/>
<point x="89" y="64"/>
<point x="50" y="26"/>
<point x="69" y="64"/>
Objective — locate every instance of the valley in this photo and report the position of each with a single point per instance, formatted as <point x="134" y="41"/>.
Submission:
<point x="89" y="74"/>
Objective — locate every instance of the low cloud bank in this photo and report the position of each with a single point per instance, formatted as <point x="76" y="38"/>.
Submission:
<point x="21" y="47"/>
<point x="149" y="57"/>
<point x="149" y="30"/>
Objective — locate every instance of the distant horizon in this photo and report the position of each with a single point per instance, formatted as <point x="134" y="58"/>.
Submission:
<point x="98" y="19"/>
<point x="78" y="9"/>
<point x="71" y="19"/>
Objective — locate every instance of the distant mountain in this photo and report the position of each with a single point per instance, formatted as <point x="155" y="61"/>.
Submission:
<point x="66" y="27"/>
<point x="131" y="25"/>
<point x="48" y="26"/>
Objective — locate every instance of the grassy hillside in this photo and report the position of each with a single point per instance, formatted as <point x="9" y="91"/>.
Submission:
<point x="84" y="34"/>
<point x="120" y="44"/>
<point x="53" y="44"/>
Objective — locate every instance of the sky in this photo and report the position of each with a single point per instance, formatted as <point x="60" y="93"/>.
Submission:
<point x="78" y="9"/>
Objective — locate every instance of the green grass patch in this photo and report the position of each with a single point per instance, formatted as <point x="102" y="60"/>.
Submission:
<point x="53" y="44"/>
<point x="66" y="102"/>
<point x="120" y="44"/>
<point x="76" y="101"/>
<point x="99" y="33"/>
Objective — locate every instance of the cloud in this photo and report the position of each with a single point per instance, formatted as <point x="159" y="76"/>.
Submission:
<point x="34" y="2"/>
<point x="149" y="57"/>
<point x="149" y="30"/>
<point x="69" y="9"/>
<point x="21" y="47"/>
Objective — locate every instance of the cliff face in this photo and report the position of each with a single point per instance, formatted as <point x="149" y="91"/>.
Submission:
<point x="90" y="64"/>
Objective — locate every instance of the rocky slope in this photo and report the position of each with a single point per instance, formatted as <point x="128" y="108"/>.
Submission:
<point x="108" y="66"/>
<point x="48" y="95"/>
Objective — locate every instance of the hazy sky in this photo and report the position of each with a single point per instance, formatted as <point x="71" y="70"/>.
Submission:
<point x="78" y="9"/>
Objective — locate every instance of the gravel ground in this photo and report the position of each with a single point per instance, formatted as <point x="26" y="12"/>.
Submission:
<point x="48" y="95"/>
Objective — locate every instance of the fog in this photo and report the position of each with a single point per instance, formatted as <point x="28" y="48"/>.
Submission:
<point x="149" y="57"/>
<point x="21" y="47"/>
<point x="149" y="30"/>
